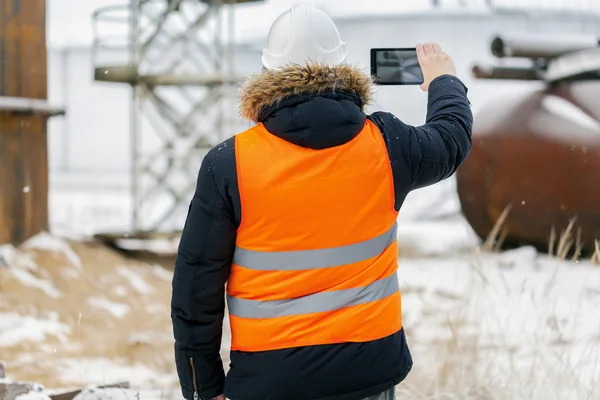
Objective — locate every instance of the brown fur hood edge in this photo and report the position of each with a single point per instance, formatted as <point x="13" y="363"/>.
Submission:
<point x="270" y="87"/>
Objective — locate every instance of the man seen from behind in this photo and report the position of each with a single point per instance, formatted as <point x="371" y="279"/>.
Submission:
<point x="296" y="217"/>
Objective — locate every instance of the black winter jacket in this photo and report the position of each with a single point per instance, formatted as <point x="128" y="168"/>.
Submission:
<point x="314" y="108"/>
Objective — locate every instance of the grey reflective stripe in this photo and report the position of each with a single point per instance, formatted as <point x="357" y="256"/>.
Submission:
<point x="311" y="259"/>
<point x="318" y="302"/>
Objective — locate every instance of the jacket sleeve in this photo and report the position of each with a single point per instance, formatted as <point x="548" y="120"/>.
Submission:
<point x="434" y="151"/>
<point x="201" y="271"/>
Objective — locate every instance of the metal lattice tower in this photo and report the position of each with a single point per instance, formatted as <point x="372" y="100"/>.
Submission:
<point x="178" y="57"/>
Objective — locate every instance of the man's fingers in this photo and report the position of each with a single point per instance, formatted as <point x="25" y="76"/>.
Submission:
<point x="434" y="62"/>
<point x="420" y="53"/>
<point x="428" y="47"/>
<point x="420" y="50"/>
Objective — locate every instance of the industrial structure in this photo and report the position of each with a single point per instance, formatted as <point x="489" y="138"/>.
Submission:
<point x="180" y="67"/>
<point x="535" y="162"/>
<point x="24" y="112"/>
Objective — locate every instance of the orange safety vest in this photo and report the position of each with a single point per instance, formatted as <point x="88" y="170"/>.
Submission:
<point x="316" y="253"/>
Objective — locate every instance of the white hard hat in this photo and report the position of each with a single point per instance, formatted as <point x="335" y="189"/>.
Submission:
<point x="301" y="34"/>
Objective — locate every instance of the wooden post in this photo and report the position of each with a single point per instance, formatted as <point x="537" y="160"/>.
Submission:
<point x="23" y="148"/>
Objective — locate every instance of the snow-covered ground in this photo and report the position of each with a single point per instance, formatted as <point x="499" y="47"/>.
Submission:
<point x="514" y="325"/>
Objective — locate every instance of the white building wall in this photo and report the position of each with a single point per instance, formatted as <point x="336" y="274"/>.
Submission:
<point x="93" y="136"/>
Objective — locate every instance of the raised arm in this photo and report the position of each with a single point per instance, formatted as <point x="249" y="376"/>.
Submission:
<point x="424" y="155"/>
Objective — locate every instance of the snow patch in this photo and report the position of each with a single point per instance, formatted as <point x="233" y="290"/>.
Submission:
<point x="83" y="213"/>
<point x="427" y="238"/>
<point x="118" y="310"/>
<point x="12" y="257"/>
<point x="162" y="273"/>
<point x="47" y="242"/>
<point x="15" y="328"/>
<point x="8" y="254"/>
<point x="120" y="291"/>
<point x="157" y="246"/>
<point x="92" y="393"/>
<point x="432" y="202"/>
<point x="28" y="279"/>
<point x="135" y="280"/>
<point x="22" y="390"/>
<point x="516" y="313"/>
<point x="23" y="267"/>
<point x="34" y="395"/>
<point x="70" y="273"/>
<point x="523" y="257"/>
<point x="103" y="370"/>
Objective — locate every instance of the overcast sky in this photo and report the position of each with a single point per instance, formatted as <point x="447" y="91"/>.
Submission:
<point x="69" y="21"/>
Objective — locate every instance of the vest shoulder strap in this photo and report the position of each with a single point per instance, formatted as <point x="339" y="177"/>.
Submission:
<point x="376" y="119"/>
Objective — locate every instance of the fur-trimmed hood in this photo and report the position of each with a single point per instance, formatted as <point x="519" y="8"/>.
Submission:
<point x="272" y="86"/>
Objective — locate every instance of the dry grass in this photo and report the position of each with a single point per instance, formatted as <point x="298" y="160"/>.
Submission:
<point x="560" y="246"/>
<point x="516" y="361"/>
<point x="497" y="235"/>
<point x="471" y="365"/>
<point x="94" y="333"/>
<point x="596" y="256"/>
<point x="567" y="243"/>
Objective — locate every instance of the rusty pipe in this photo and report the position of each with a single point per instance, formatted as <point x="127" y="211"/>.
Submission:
<point x="578" y="65"/>
<point x="547" y="46"/>
<point x="514" y="73"/>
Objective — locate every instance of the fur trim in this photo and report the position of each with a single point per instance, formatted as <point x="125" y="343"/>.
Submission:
<point x="272" y="86"/>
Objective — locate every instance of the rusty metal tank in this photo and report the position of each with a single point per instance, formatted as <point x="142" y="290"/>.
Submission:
<point x="538" y="152"/>
<point x="23" y="117"/>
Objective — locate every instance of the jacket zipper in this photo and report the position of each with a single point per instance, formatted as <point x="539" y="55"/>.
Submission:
<point x="194" y="379"/>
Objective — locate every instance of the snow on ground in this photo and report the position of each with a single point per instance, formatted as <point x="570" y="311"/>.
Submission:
<point x="93" y="393"/>
<point x="92" y="332"/>
<point x="33" y="396"/>
<point x="47" y="242"/>
<point x="25" y="270"/>
<point x="104" y="371"/>
<point x="436" y="237"/>
<point x="28" y="279"/>
<point x="162" y="273"/>
<point x="118" y="310"/>
<point x="135" y="280"/>
<point x="15" y="328"/>
<point x="502" y="326"/>
<point x="104" y="394"/>
<point x="514" y="325"/>
<point x="431" y="202"/>
<point x="8" y="253"/>
<point x="81" y="213"/>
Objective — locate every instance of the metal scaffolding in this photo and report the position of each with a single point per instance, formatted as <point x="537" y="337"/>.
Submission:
<point x="180" y="65"/>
